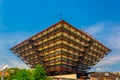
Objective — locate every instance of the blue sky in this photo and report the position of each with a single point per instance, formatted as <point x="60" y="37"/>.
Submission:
<point x="20" y="19"/>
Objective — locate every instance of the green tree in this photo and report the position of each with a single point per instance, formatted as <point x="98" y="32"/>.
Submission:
<point x="20" y="74"/>
<point x="24" y="75"/>
<point x="32" y="74"/>
<point x="39" y="73"/>
<point x="12" y="73"/>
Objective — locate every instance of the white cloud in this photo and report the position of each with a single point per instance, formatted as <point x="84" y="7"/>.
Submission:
<point x="18" y="64"/>
<point x="99" y="69"/>
<point x="14" y="63"/>
<point x="114" y="38"/>
<point x="110" y="63"/>
<point x="6" y="42"/>
<point x="111" y="60"/>
<point x="109" y="34"/>
<point x="95" y="29"/>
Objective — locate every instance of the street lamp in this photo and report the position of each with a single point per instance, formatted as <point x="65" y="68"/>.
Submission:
<point x="3" y="71"/>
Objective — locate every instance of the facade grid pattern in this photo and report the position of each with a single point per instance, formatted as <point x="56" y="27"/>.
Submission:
<point x="61" y="49"/>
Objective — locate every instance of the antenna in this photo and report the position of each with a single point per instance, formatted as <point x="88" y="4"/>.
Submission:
<point x="61" y="17"/>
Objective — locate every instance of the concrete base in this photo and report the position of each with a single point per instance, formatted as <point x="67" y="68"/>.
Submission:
<point x="69" y="77"/>
<point x="64" y="77"/>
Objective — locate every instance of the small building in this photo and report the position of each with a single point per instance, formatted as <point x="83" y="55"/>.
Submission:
<point x="104" y="76"/>
<point x="89" y="76"/>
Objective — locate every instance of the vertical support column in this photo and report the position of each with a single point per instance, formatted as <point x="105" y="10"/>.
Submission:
<point x="61" y="46"/>
<point x="48" y="66"/>
<point x="36" y="51"/>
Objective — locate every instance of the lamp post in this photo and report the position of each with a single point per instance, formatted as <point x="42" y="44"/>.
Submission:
<point x="3" y="71"/>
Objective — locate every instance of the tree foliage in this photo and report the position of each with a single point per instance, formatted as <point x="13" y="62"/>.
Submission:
<point x="39" y="73"/>
<point x="20" y="74"/>
<point x="31" y="74"/>
<point x="23" y="75"/>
